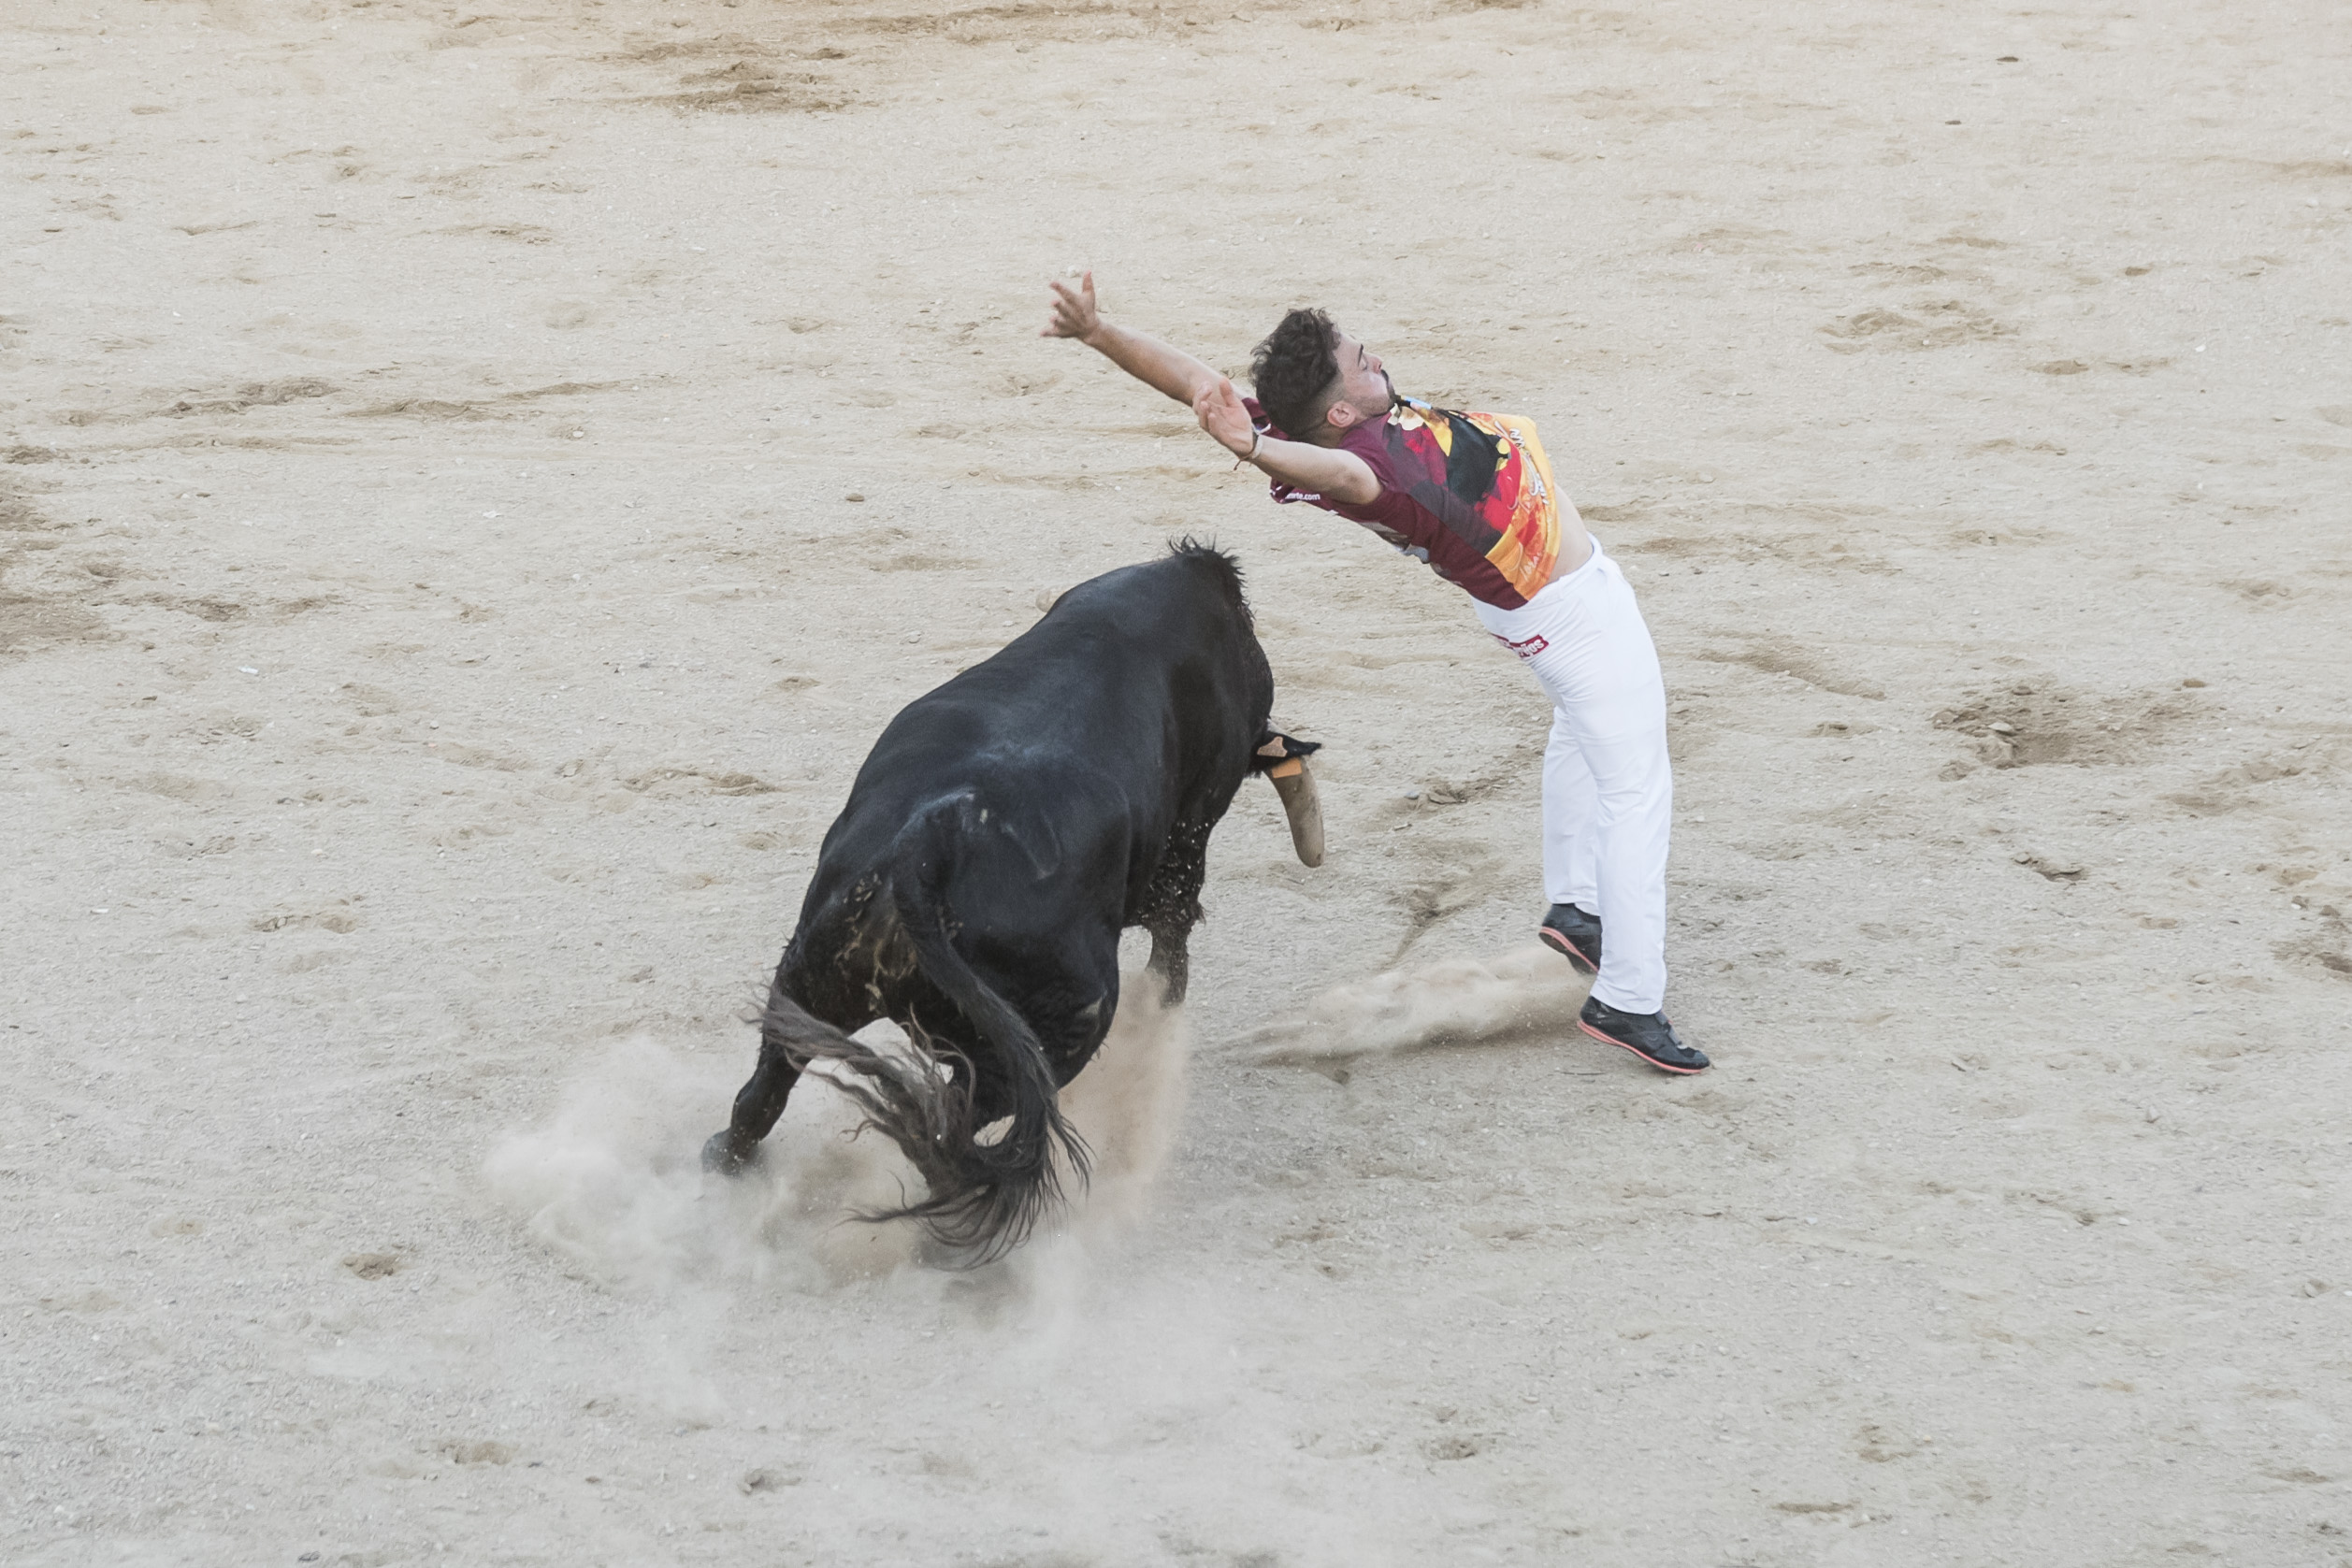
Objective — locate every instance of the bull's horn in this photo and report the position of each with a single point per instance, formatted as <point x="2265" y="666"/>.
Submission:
<point x="1296" y="785"/>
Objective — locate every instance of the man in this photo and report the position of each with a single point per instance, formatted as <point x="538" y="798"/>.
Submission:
<point x="1471" y="495"/>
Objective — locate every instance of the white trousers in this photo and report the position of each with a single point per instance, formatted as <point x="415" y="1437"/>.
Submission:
<point x="1608" y="787"/>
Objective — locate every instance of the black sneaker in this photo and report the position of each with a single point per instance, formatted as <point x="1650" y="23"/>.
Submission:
<point x="1647" y="1035"/>
<point x="1575" y="935"/>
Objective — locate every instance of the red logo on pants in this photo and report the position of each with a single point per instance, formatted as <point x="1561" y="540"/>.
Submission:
<point x="1527" y="649"/>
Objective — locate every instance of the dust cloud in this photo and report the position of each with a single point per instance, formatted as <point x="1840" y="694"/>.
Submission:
<point x="1456" y="1001"/>
<point x="437" y="633"/>
<point x="1059" y="1372"/>
<point x="613" y="1181"/>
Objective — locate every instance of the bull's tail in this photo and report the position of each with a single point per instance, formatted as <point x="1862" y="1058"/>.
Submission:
<point x="984" y="1198"/>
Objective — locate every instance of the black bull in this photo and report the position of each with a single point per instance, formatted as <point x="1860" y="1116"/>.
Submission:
<point x="1005" y="830"/>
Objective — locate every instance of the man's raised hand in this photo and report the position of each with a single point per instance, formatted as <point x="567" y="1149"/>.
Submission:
<point x="1148" y="360"/>
<point x="1219" y="408"/>
<point x="1074" y="311"/>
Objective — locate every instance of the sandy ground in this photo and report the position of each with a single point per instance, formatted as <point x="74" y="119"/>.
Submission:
<point x="441" y="616"/>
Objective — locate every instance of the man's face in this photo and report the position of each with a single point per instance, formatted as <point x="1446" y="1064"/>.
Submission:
<point x="1365" y="392"/>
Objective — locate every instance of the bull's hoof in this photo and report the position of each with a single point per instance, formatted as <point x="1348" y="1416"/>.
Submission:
<point x="721" y="1158"/>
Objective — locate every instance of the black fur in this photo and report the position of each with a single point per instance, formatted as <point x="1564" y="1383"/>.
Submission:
<point x="1002" y="833"/>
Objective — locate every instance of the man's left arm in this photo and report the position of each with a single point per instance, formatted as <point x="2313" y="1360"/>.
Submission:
<point x="1330" y="472"/>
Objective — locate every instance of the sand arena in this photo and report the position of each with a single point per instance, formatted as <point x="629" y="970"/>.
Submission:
<point x="477" y="481"/>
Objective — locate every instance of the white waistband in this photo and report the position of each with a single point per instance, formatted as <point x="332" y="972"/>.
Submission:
<point x="1494" y="614"/>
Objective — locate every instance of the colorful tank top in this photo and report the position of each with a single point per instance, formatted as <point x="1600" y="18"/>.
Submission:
<point x="1470" y="494"/>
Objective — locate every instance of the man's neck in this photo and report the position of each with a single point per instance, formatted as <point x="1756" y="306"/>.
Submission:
<point x="1331" y="434"/>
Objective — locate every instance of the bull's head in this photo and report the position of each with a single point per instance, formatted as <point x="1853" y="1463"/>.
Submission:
<point x="1283" y="759"/>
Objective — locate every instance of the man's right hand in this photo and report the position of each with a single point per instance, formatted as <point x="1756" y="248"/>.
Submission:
<point x="1148" y="360"/>
<point x="1074" y="311"/>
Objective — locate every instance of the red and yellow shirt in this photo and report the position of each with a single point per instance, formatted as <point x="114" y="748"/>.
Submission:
<point x="1470" y="494"/>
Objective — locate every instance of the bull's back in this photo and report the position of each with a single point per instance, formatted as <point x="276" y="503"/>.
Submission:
<point x="1076" y="742"/>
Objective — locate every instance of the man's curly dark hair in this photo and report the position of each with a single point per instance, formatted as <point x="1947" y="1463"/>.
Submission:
<point x="1294" y="368"/>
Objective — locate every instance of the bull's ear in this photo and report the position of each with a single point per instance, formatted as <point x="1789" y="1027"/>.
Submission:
<point x="1275" y="747"/>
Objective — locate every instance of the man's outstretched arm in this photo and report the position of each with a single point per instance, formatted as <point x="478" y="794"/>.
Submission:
<point x="1148" y="360"/>
<point x="1324" y="470"/>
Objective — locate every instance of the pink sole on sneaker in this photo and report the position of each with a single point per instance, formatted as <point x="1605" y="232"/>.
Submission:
<point x="1654" y="1061"/>
<point x="1566" y="949"/>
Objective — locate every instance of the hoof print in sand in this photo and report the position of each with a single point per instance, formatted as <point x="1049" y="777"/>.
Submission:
<point x="2036" y="722"/>
<point x="461" y="1451"/>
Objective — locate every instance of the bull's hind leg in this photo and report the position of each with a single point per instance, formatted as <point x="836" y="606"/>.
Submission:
<point x="762" y="1098"/>
<point x="758" y="1104"/>
<point x="1172" y="904"/>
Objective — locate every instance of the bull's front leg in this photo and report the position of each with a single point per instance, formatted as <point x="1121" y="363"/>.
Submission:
<point x="1172" y="961"/>
<point x="1172" y="904"/>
